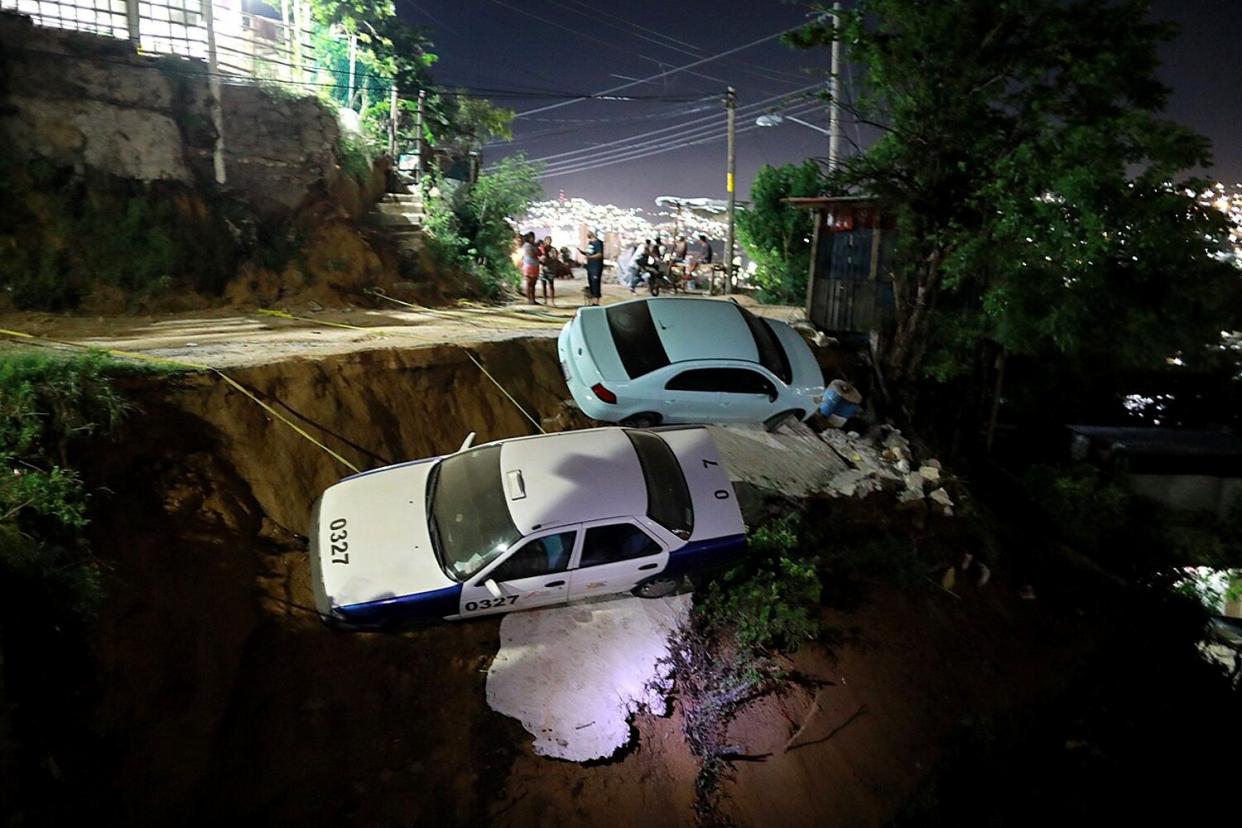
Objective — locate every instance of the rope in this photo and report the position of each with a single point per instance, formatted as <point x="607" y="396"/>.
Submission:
<point x="46" y="340"/>
<point x="486" y="373"/>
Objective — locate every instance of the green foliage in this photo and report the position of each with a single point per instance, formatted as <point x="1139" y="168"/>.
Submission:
<point x="46" y="402"/>
<point x="356" y="158"/>
<point x="61" y="234"/>
<point x="770" y="603"/>
<point x="1027" y="164"/>
<point x="468" y="224"/>
<point x="777" y="236"/>
<point x="467" y="122"/>
<point x="389" y="50"/>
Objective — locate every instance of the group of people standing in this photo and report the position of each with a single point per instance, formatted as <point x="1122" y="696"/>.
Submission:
<point x="653" y="259"/>
<point x="542" y="262"/>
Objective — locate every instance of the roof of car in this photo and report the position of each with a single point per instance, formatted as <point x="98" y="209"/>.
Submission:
<point x="573" y="477"/>
<point x="702" y="329"/>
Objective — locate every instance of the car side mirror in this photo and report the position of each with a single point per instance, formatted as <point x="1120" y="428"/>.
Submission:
<point x="468" y="442"/>
<point x="494" y="588"/>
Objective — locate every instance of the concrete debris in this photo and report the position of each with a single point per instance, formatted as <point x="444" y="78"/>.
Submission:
<point x="846" y="483"/>
<point x="902" y="465"/>
<point x="915" y="482"/>
<point x="941" y="497"/>
<point x="908" y="496"/>
<point x="935" y="464"/>
<point x="575" y="675"/>
<point x="930" y="473"/>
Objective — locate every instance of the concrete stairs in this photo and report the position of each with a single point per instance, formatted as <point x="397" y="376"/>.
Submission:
<point x="401" y="216"/>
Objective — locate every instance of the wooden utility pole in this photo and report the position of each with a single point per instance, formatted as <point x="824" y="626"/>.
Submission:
<point x="731" y="162"/>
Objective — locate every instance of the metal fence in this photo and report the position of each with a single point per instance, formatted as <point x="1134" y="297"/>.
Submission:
<point x="247" y="45"/>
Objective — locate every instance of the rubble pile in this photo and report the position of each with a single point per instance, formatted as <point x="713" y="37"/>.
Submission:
<point x="884" y="461"/>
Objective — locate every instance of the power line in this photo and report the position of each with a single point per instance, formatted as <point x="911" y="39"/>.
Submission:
<point x="646" y="136"/>
<point x="659" y="75"/>
<point x="718" y="134"/>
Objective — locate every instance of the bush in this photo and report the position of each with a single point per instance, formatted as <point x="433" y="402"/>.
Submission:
<point x="771" y="602"/>
<point x="468" y="224"/>
<point x="46" y="401"/>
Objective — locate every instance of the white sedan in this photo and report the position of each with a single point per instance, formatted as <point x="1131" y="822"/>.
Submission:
<point x="682" y="360"/>
<point x="523" y="523"/>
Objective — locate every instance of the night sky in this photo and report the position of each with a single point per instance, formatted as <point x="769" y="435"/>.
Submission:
<point x="576" y="46"/>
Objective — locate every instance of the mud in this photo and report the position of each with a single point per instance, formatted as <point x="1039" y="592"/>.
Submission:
<point x="221" y="697"/>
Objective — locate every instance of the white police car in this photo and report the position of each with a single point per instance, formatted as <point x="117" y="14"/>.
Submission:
<point x="523" y="523"/>
<point x="683" y="360"/>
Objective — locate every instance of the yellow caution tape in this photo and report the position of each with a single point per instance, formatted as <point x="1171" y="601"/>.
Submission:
<point x="486" y="373"/>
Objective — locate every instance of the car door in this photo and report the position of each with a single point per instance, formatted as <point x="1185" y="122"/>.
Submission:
<point x="614" y="556"/>
<point x="692" y="395"/>
<point x="534" y="574"/>
<point x="746" y="395"/>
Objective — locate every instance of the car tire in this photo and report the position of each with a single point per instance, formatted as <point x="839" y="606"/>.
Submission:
<point x="777" y="420"/>
<point x="657" y="587"/>
<point x="647" y="419"/>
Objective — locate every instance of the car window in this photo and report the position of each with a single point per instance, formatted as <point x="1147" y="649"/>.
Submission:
<point x="668" y="497"/>
<point x="616" y="542"/>
<point x="468" y="515"/>
<point x="542" y="556"/>
<point x="638" y="343"/>
<point x="701" y="379"/>
<point x="771" y="352"/>
<point x="743" y="381"/>
<point x="726" y="380"/>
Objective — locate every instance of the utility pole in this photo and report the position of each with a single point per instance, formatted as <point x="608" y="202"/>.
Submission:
<point x="731" y="162"/>
<point x="834" y="111"/>
<point x="394" y="109"/>
<point x="216" y="105"/>
<point x="420" y="140"/>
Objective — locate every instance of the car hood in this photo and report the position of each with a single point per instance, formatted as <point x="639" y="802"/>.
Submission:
<point x="380" y="547"/>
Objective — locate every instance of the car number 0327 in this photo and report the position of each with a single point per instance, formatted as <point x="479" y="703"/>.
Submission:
<point x="337" y="537"/>
<point x="491" y="603"/>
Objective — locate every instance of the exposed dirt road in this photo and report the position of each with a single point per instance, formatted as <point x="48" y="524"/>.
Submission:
<point x="230" y="338"/>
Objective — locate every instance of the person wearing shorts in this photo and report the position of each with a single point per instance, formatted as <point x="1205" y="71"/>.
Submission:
<point x="530" y="266"/>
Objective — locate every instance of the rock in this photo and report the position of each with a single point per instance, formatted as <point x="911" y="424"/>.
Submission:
<point x="910" y="496"/>
<point x="941" y="497"/>
<point x="846" y="483"/>
<point x="930" y="473"/>
<point x="902" y="465"/>
<point x="915" y="482"/>
<point x="934" y="463"/>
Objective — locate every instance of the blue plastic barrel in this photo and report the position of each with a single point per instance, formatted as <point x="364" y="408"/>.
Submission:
<point x="840" y="400"/>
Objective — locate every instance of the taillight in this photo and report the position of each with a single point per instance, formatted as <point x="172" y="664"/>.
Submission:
<point x="604" y="394"/>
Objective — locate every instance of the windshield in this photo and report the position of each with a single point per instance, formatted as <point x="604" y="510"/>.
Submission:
<point x="668" y="497"/>
<point x="634" y="333"/>
<point x="467" y="513"/>
<point x="771" y="354"/>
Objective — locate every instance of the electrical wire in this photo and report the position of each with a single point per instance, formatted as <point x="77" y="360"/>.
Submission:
<point x="670" y="146"/>
<point x="648" y="136"/>
<point x="613" y="90"/>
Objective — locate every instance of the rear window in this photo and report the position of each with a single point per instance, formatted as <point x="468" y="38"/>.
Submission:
<point x="771" y="353"/>
<point x="668" y="497"/>
<point x="636" y="338"/>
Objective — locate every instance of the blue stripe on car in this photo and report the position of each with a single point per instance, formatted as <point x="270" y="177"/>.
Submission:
<point x="705" y="554"/>
<point x="435" y="604"/>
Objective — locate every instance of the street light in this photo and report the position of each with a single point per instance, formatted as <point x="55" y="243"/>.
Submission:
<point x="773" y="119"/>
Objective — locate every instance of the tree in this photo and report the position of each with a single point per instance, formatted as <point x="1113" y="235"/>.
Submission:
<point x="776" y="235"/>
<point x="1025" y="160"/>
<point x="469" y="223"/>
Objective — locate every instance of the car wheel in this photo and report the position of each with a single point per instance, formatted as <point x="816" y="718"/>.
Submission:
<point x="657" y="587"/>
<point x="777" y="420"/>
<point x="646" y="419"/>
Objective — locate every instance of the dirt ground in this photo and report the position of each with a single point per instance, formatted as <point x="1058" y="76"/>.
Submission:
<point x="226" y="338"/>
<point x="220" y="697"/>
